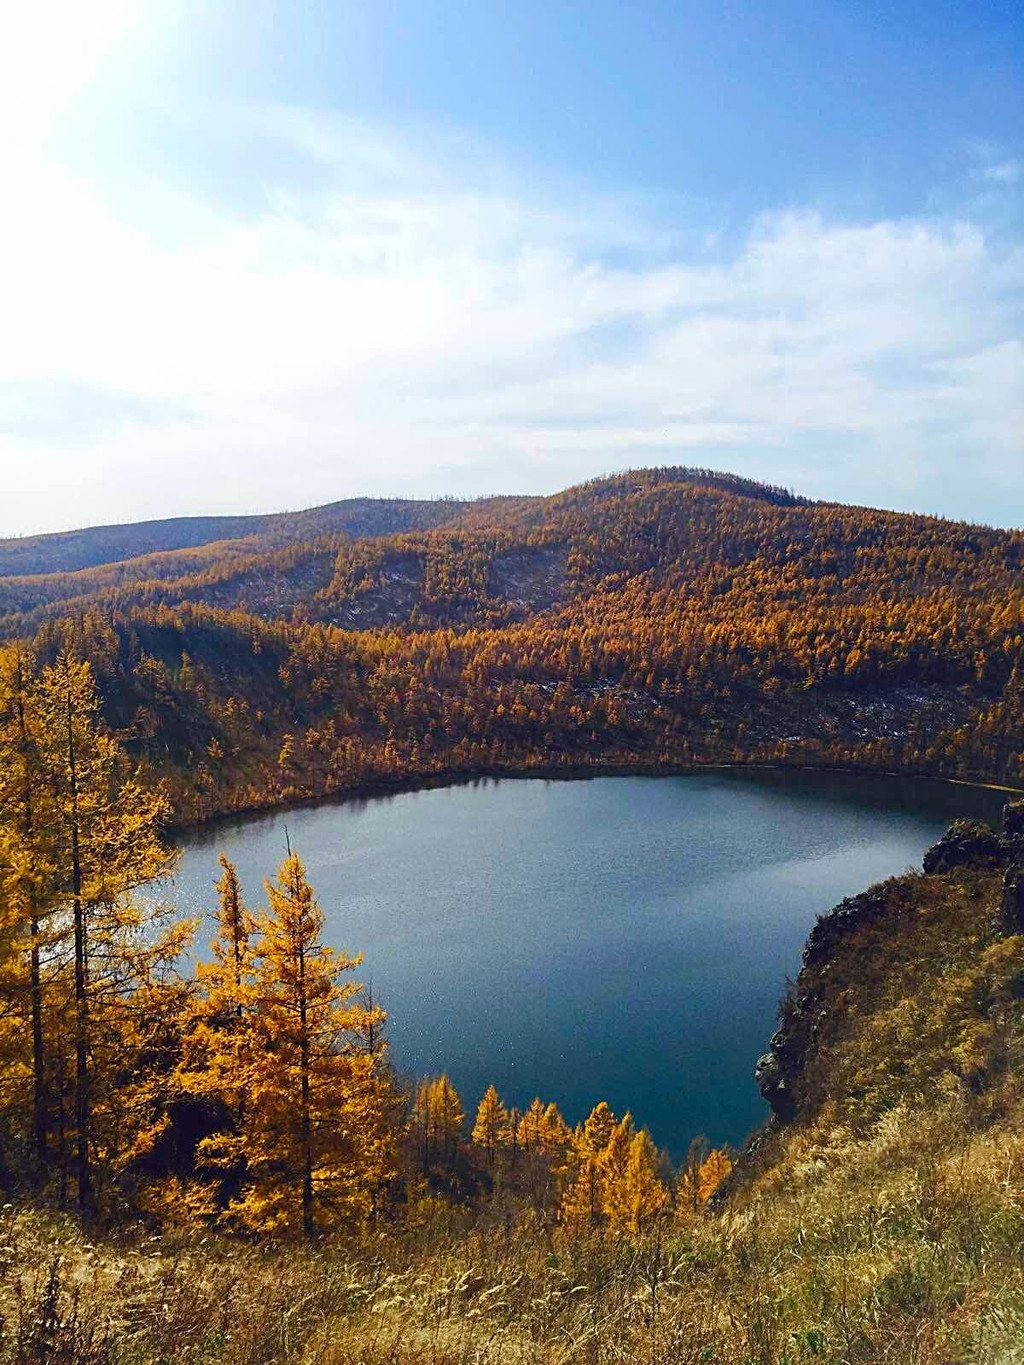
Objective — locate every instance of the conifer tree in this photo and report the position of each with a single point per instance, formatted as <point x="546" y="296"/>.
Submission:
<point x="703" y="1172"/>
<point x="556" y="1135"/>
<point x="531" y="1126"/>
<point x="211" y="1066"/>
<point x="437" y="1121"/>
<point x="583" y="1202"/>
<point x="644" y="1195"/>
<point x="712" y="1172"/>
<point x="615" y="1155"/>
<point x="596" y="1132"/>
<point x="103" y="844"/>
<point x="492" y="1129"/>
<point x="585" y="1199"/>
<point x="313" y="1135"/>
<point x="23" y="891"/>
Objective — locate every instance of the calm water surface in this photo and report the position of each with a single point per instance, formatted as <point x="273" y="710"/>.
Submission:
<point x="625" y="938"/>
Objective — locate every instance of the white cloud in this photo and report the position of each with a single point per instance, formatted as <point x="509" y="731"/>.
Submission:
<point x="402" y="318"/>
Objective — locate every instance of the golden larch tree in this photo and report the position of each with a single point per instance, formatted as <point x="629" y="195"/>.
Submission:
<point x="314" y="1134"/>
<point x="104" y="844"/>
<point x="644" y="1194"/>
<point x="531" y="1126"/>
<point x="437" y="1121"/>
<point x="492" y="1129"/>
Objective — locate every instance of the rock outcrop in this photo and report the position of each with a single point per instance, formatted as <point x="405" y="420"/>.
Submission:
<point x="778" y="1071"/>
<point x="967" y="843"/>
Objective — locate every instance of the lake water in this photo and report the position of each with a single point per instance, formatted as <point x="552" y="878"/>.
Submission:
<point x="623" y="938"/>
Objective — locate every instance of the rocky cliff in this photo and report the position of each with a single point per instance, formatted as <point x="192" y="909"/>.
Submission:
<point x="973" y="879"/>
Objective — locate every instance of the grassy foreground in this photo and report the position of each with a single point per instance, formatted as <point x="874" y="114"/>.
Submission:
<point x="884" y="1224"/>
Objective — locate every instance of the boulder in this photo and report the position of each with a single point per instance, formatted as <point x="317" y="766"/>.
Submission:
<point x="772" y="1083"/>
<point x="967" y="843"/>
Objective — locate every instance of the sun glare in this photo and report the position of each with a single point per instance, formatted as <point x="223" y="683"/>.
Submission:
<point x="52" y="50"/>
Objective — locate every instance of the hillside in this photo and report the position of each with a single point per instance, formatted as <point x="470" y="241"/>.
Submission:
<point x="880" y="1220"/>
<point x="65" y="552"/>
<point x="659" y="618"/>
<point x="70" y="551"/>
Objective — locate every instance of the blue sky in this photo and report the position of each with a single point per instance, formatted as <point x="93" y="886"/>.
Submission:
<point x="263" y="255"/>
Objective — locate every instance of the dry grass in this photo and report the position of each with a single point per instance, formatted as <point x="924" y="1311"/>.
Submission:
<point x="905" y="1247"/>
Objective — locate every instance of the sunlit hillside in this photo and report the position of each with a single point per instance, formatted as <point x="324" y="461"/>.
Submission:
<point x="657" y="619"/>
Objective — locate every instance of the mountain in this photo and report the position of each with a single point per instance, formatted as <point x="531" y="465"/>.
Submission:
<point x="665" y="618"/>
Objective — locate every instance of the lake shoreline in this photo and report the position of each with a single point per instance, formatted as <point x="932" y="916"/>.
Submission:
<point x="577" y="939"/>
<point x="382" y="787"/>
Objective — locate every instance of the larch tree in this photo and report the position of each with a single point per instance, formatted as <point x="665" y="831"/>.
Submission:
<point x="644" y="1194"/>
<point x="531" y="1126"/>
<point x="228" y="978"/>
<point x="492" y="1129"/>
<point x="211" y="1064"/>
<point x="24" y="888"/>
<point x="701" y="1175"/>
<point x="596" y="1132"/>
<point x="712" y="1172"/>
<point x="583" y="1201"/>
<point x="437" y="1121"/>
<point x="613" y="1161"/>
<point x="555" y="1134"/>
<point x="103" y="843"/>
<point x="314" y="1133"/>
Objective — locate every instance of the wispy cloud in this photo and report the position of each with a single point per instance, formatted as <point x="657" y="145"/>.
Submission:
<point x="1003" y="172"/>
<point x="382" y="314"/>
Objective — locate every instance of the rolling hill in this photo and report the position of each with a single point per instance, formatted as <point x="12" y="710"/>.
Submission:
<point x="661" y="617"/>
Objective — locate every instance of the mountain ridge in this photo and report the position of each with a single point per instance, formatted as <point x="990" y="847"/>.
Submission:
<point x="117" y="542"/>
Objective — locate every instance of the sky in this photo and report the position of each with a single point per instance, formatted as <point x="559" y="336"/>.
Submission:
<point x="262" y="254"/>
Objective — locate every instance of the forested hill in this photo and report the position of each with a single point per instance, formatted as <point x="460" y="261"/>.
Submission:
<point x="65" y="552"/>
<point x="68" y="551"/>
<point x="661" y="617"/>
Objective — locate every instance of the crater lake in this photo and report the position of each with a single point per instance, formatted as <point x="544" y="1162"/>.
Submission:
<point x="617" y="938"/>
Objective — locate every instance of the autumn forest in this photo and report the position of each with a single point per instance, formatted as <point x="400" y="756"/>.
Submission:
<point x="660" y="619"/>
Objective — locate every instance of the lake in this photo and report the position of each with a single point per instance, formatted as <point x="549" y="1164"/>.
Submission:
<point x="621" y="938"/>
